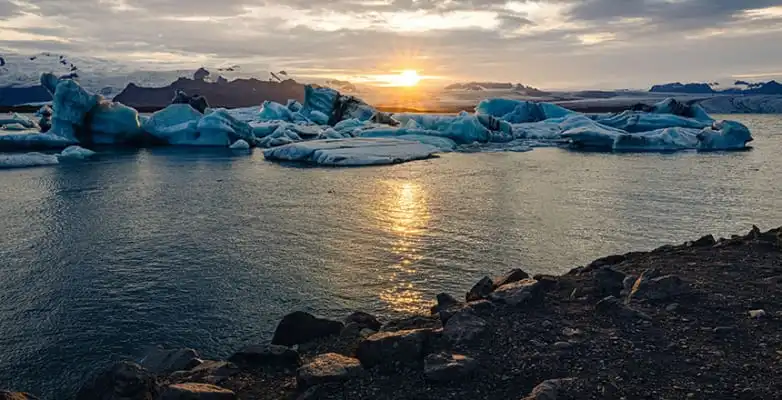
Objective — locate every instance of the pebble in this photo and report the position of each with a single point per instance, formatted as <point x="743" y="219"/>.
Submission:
<point x="672" y="307"/>
<point x="757" y="314"/>
<point x="562" y="345"/>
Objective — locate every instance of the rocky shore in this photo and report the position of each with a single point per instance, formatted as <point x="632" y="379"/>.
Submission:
<point x="701" y="320"/>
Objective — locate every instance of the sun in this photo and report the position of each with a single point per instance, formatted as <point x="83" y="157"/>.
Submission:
<point x="407" y="78"/>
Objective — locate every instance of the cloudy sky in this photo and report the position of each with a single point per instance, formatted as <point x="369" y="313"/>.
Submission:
<point x="545" y="43"/>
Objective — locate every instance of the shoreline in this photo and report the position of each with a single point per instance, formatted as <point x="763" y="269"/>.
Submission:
<point x="700" y="320"/>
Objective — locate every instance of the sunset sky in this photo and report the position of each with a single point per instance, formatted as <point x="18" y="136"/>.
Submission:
<point x="546" y="43"/>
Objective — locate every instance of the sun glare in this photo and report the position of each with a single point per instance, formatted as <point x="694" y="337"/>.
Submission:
<point x="406" y="78"/>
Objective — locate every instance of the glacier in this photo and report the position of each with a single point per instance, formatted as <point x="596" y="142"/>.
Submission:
<point x="337" y="130"/>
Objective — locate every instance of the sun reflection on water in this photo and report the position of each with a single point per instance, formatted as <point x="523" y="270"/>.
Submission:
<point x="404" y="213"/>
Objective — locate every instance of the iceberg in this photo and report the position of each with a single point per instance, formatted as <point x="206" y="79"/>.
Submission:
<point x="70" y="104"/>
<point x="326" y="106"/>
<point x="33" y="141"/>
<point x="27" y="160"/>
<point x="112" y="123"/>
<point x="76" y="153"/>
<point x="275" y="112"/>
<point x="18" y="122"/>
<point x="219" y="128"/>
<point x="240" y="145"/>
<point x="724" y="135"/>
<point x="634" y="122"/>
<point x="352" y="152"/>
<point x="176" y="124"/>
<point x="463" y="128"/>
<point x="520" y="111"/>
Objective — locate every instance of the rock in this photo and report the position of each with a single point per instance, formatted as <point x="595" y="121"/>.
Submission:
<point x="393" y="348"/>
<point x="328" y="368"/>
<point x="479" y="306"/>
<point x="414" y="322"/>
<point x="266" y="355"/>
<point x="609" y="282"/>
<point x="757" y="314"/>
<point x="562" y="346"/>
<point x="165" y="361"/>
<point x="548" y="390"/>
<point x="366" y="332"/>
<point x="672" y="307"/>
<point x="724" y="330"/>
<point x="658" y="288"/>
<point x="443" y="367"/>
<point x="16" y="396"/>
<point x="124" y="380"/>
<point x="627" y="285"/>
<point x="364" y="320"/>
<point x="351" y="330"/>
<point x="517" y="293"/>
<point x="754" y="233"/>
<point x="464" y="327"/>
<point x="513" y="275"/>
<point x="570" y="332"/>
<point x="196" y="391"/>
<point x="208" y="372"/>
<point x="300" y="327"/>
<point x="446" y="307"/>
<point x="705" y="241"/>
<point x="481" y="290"/>
<point x="614" y="307"/>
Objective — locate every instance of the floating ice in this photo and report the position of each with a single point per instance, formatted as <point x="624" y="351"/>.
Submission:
<point x="219" y="128"/>
<point x="519" y="111"/>
<point x="240" y="145"/>
<point x="176" y="124"/>
<point x="76" y="153"/>
<point x="634" y="122"/>
<point x="18" y="122"/>
<point x="70" y="103"/>
<point x="352" y="152"/>
<point x="114" y="123"/>
<point x="33" y="141"/>
<point x="27" y="160"/>
<point x="275" y="111"/>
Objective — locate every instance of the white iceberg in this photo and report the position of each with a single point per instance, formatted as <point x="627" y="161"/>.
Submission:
<point x="70" y="105"/>
<point x="27" y="160"/>
<point x="520" y="111"/>
<point x="219" y="128"/>
<point x="275" y="111"/>
<point x="76" y="153"/>
<point x="352" y="152"/>
<point x="176" y="124"/>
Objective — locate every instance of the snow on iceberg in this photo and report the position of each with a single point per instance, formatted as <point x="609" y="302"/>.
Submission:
<point x="27" y="160"/>
<point x="352" y="152"/>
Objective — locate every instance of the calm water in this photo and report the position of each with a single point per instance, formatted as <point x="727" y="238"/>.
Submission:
<point x="209" y="249"/>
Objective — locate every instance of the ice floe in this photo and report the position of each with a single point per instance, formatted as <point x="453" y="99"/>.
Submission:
<point x="76" y="153"/>
<point x="352" y="152"/>
<point x="27" y="160"/>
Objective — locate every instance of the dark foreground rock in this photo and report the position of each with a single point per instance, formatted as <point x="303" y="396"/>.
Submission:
<point x="125" y="380"/>
<point x="4" y="395"/>
<point x="301" y="327"/>
<point x="196" y="391"/>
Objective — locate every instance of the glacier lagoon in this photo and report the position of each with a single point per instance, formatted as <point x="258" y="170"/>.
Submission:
<point x="208" y="248"/>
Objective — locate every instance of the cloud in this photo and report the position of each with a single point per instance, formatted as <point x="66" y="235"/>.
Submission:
<point x="548" y="43"/>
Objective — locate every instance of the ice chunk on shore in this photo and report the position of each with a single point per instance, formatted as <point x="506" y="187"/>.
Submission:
<point x="352" y="152"/>
<point x="27" y="160"/>
<point x="76" y="153"/>
<point x="175" y="124"/>
<point x="240" y="145"/>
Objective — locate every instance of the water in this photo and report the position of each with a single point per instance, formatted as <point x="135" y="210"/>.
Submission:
<point x="208" y="249"/>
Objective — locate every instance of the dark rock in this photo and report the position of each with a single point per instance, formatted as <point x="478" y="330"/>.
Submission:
<point x="481" y="290"/>
<point x="627" y="285"/>
<point x="364" y="320"/>
<point x="16" y="396"/>
<point x="754" y="233"/>
<point x="196" y="101"/>
<point x="414" y="322"/>
<point x="464" y="327"/>
<point x="480" y="306"/>
<point x="266" y="355"/>
<point x="705" y="241"/>
<point x="724" y="330"/>
<point x="548" y="390"/>
<point x="328" y="368"/>
<point x="609" y="282"/>
<point x="446" y="307"/>
<point x="443" y="367"/>
<point x="125" y="380"/>
<point x="393" y="348"/>
<point x="165" y="361"/>
<point x="658" y="288"/>
<point x="513" y="275"/>
<point x="209" y="371"/>
<point x="614" y="307"/>
<point x="518" y="293"/>
<point x="300" y="327"/>
<point x="606" y="261"/>
<point x="201" y="74"/>
<point x="196" y="391"/>
<point x="351" y="330"/>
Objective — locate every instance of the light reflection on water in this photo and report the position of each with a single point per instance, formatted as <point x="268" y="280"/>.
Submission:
<point x="406" y="215"/>
<point x="208" y="249"/>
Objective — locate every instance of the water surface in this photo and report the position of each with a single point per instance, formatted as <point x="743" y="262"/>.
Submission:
<point x="208" y="249"/>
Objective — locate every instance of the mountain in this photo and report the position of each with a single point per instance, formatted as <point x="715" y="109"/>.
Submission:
<point x="678" y="87"/>
<point x="481" y="86"/>
<point x="221" y="93"/>
<point x="738" y="87"/>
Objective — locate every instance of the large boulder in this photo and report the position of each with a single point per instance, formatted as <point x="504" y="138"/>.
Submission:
<point x="612" y="306"/>
<point x="123" y="381"/>
<point x="548" y="390"/>
<point x="162" y="361"/>
<point x="447" y="306"/>
<point x="196" y="391"/>
<point x="266" y="355"/>
<point x="391" y="349"/>
<point x="518" y="293"/>
<point x="328" y="368"/>
<point x="464" y="327"/>
<point x="609" y="282"/>
<point x="658" y="288"/>
<point x="441" y="367"/>
<point x="208" y="371"/>
<point x="301" y="327"/>
<point x="412" y="323"/>
<point x="364" y="320"/>
<point x="514" y="275"/>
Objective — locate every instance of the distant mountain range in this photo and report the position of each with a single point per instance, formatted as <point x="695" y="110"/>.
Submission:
<point x="482" y="86"/>
<point x="738" y="87"/>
